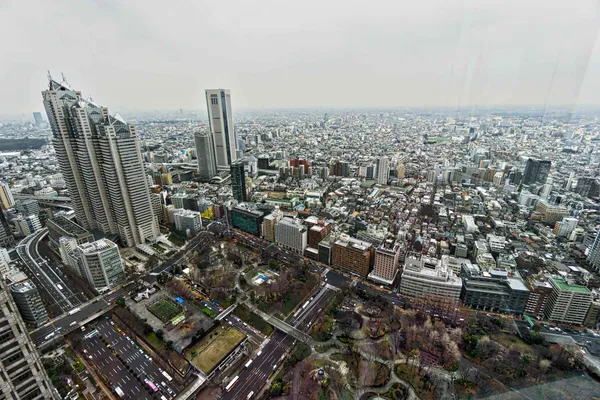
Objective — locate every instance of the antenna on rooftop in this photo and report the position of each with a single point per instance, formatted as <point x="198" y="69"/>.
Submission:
<point x="64" y="79"/>
<point x="49" y="76"/>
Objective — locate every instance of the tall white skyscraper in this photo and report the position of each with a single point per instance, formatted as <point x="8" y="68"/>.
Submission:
<point x="383" y="171"/>
<point x="100" y="159"/>
<point x="220" y="119"/>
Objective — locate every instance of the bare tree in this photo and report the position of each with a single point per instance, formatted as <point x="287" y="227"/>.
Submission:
<point x="544" y="366"/>
<point x="395" y="340"/>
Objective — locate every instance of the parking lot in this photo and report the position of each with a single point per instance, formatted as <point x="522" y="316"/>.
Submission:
<point x="111" y="350"/>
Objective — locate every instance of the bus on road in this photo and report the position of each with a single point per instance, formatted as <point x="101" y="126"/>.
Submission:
<point x="167" y="376"/>
<point x="232" y="383"/>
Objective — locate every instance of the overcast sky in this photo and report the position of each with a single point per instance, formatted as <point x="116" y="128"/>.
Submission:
<point x="149" y="54"/>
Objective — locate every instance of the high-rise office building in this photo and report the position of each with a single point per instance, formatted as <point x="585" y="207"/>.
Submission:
<point x="6" y="198"/>
<point x="6" y="237"/>
<point x="205" y="150"/>
<point x="101" y="263"/>
<point x="588" y="186"/>
<point x="269" y="223"/>
<point x="28" y="225"/>
<point x="100" y="159"/>
<point x="28" y="207"/>
<point x="352" y="255"/>
<point x="385" y="267"/>
<point x="220" y="118"/>
<point x="185" y="220"/>
<point x="22" y="376"/>
<point x="568" y="303"/>
<point x="536" y="171"/>
<point x="400" y="171"/>
<point x="291" y="234"/>
<point x="383" y="171"/>
<point x="37" y="116"/>
<point x="29" y="302"/>
<point x="594" y="254"/>
<point x="238" y="181"/>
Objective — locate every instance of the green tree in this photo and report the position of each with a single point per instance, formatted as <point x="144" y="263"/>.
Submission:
<point x="120" y="302"/>
<point x="470" y="344"/>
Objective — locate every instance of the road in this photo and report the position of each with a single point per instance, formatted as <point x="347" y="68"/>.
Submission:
<point x="67" y="322"/>
<point x="129" y="353"/>
<point x="47" y="277"/>
<point x="256" y="375"/>
<point x="199" y="241"/>
<point x="253" y="378"/>
<point x="253" y="334"/>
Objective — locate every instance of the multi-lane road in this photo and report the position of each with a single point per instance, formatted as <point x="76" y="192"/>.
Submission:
<point x="195" y="244"/>
<point x="47" y="277"/>
<point x="73" y="321"/>
<point x="253" y="378"/>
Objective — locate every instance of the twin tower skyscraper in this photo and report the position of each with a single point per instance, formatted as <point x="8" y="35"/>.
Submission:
<point x="100" y="158"/>
<point x="101" y="162"/>
<point x="216" y="147"/>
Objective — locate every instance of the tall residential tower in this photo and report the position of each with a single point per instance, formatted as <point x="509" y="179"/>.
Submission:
<point x="220" y="119"/>
<point x="100" y="159"/>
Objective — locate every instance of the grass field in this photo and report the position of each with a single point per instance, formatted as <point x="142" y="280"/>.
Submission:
<point x="164" y="310"/>
<point x="213" y="348"/>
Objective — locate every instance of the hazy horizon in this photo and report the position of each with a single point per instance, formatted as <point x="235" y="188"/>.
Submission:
<point x="455" y="54"/>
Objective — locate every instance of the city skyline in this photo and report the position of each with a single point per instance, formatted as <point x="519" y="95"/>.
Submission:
<point x="455" y="54"/>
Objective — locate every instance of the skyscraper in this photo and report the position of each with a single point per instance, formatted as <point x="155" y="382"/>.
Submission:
<point x="594" y="254"/>
<point x="6" y="198"/>
<point x="383" y="171"/>
<point x="100" y="159"/>
<point x="37" y="116"/>
<point x="238" y="181"/>
<point x="220" y="118"/>
<point x="6" y="237"/>
<point x="536" y="171"/>
<point x="23" y="375"/>
<point x="207" y="164"/>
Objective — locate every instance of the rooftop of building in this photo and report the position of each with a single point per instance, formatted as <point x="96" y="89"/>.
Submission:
<point x="186" y="213"/>
<point x="98" y="245"/>
<point x="347" y="241"/>
<point x="69" y="226"/>
<point x="22" y="287"/>
<point x="564" y="286"/>
<point x="245" y="208"/>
